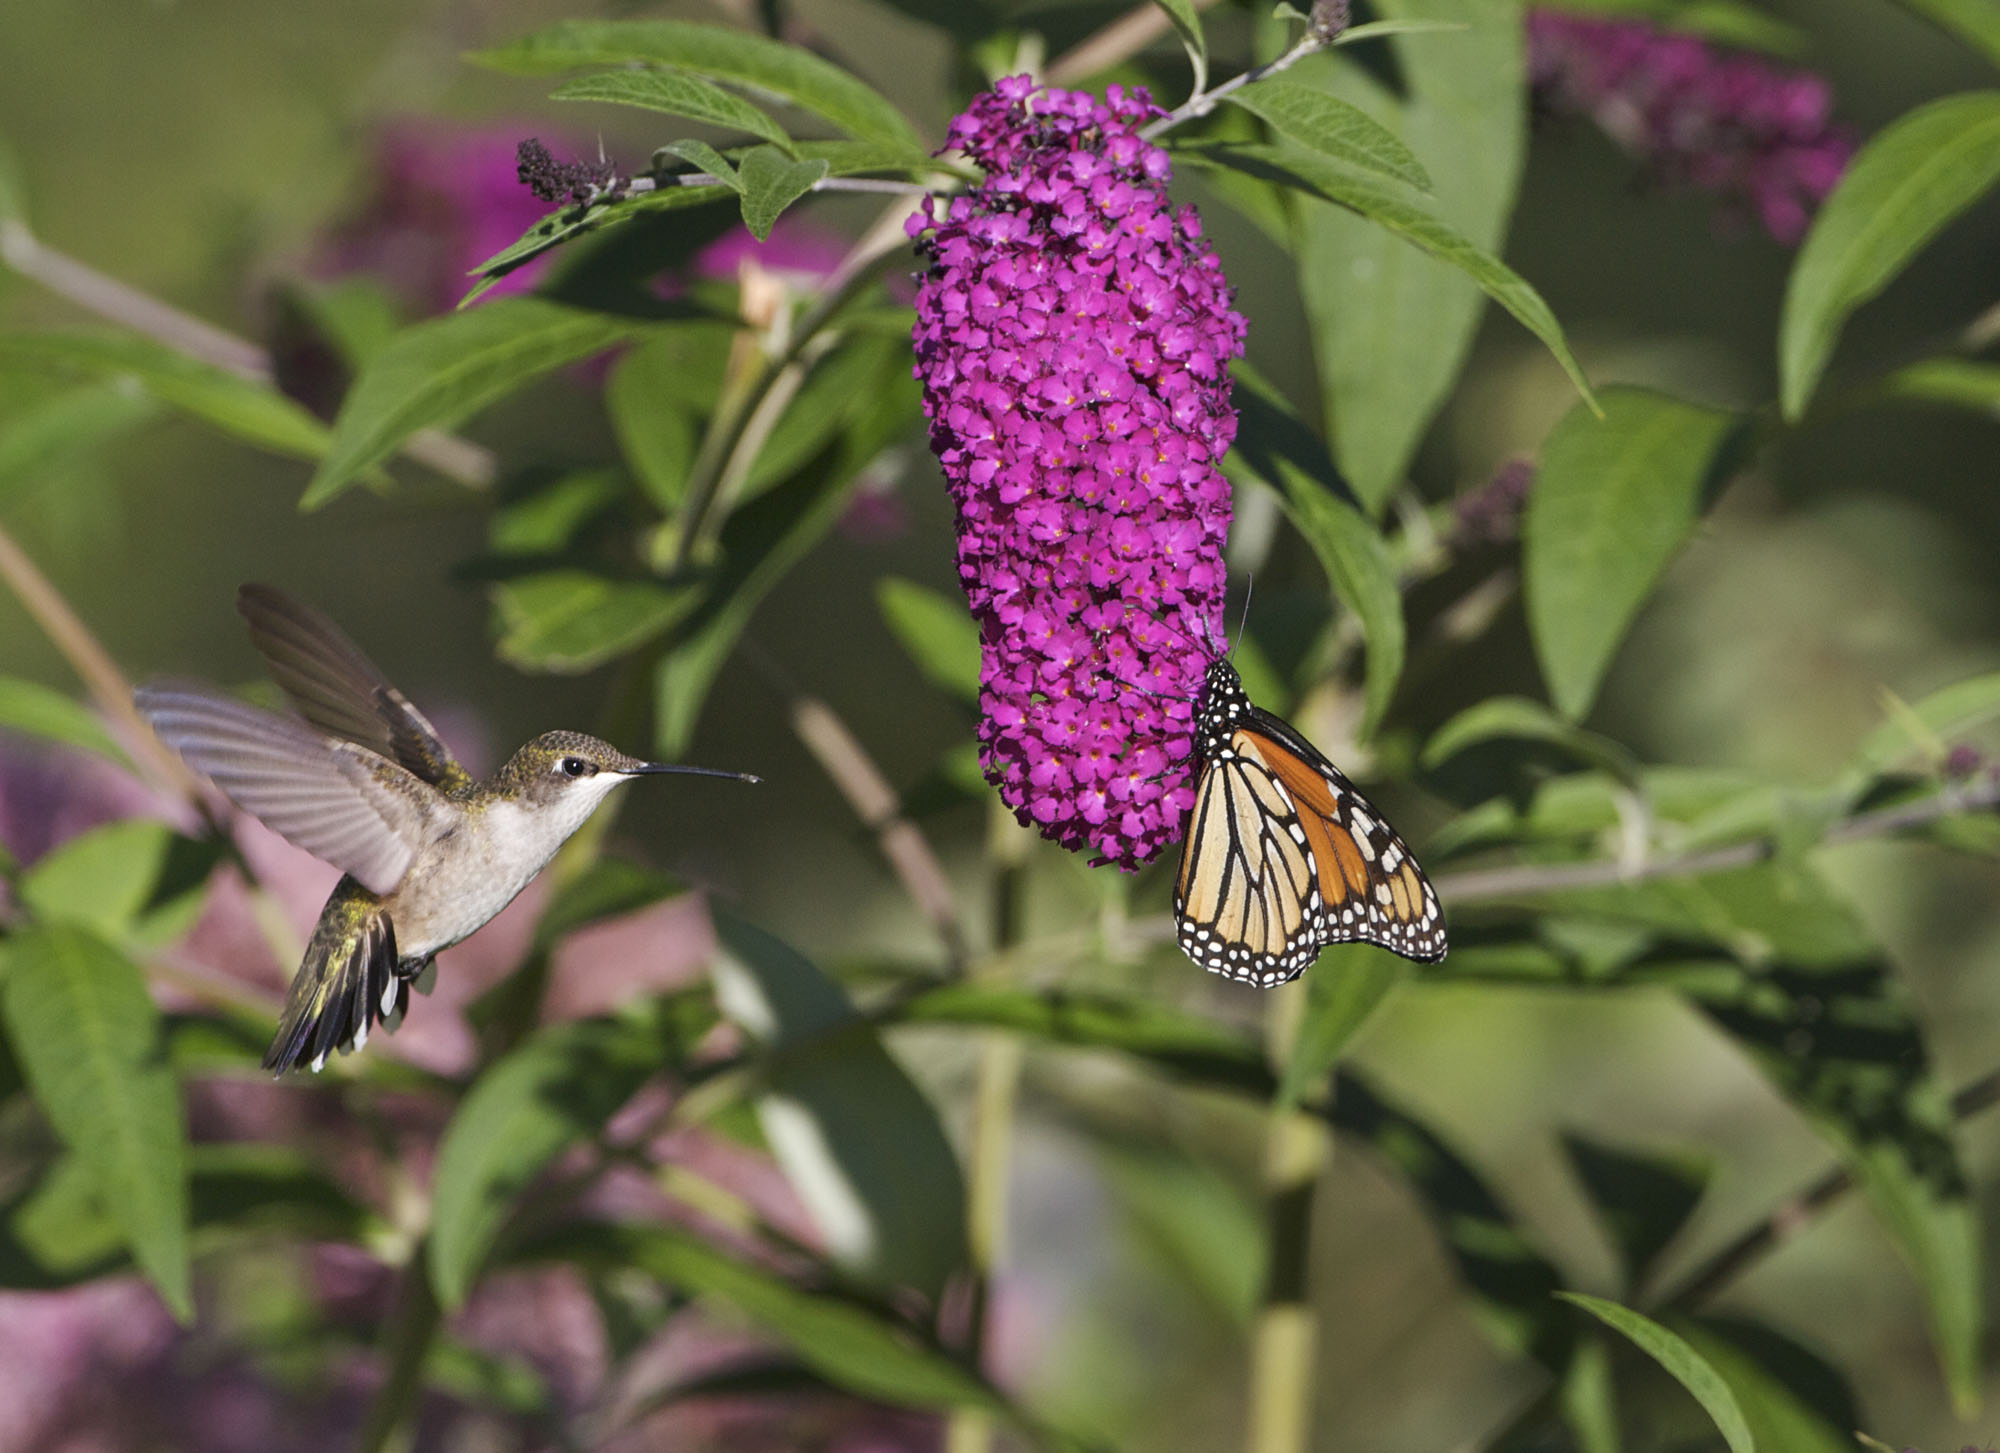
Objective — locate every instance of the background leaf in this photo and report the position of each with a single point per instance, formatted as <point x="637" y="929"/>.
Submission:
<point x="439" y="373"/>
<point x="1901" y="189"/>
<point x="1611" y="503"/>
<point x="937" y="633"/>
<point x="88" y="1038"/>
<point x="1688" y="1367"/>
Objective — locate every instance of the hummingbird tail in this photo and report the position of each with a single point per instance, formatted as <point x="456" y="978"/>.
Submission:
<point x="345" y="985"/>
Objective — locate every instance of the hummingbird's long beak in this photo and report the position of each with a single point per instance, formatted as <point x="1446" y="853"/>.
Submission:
<point x="654" y="768"/>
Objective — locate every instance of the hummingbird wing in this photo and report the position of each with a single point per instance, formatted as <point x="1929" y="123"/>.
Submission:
<point x="338" y="689"/>
<point x="338" y="801"/>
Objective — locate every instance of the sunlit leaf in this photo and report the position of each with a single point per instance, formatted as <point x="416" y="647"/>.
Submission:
<point x="1901" y="189"/>
<point x="1687" y="1366"/>
<point x="133" y="879"/>
<point x="773" y="181"/>
<point x="1613" y="499"/>
<point x="42" y="711"/>
<point x="677" y="94"/>
<point x="740" y="56"/>
<point x="88" y="1037"/>
<point x="1776" y="1416"/>
<point x="1332" y="127"/>
<point x="856" y="1138"/>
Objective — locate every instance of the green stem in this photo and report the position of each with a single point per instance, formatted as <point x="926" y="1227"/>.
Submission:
<point x="407" y="1345"/>
<point x="1285" y="1342"/>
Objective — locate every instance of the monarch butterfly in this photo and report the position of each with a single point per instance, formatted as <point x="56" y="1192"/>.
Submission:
<point x="1281" y="856"/>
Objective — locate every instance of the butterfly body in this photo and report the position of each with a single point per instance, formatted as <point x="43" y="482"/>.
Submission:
<point x="1281" y="856"/>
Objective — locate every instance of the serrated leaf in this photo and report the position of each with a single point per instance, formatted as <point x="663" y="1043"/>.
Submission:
<point x="1274" y="445"/>
<point x="716" y="52"/>
<point x="253" y="412"/>
<point x="1390" y="328"/>
<point x="1687" y="1367"/>
<point x="936" y="631"/>
<point x="88" y="1038"/>
<point x="1976" y="22"/>
<point x="856" y="1138"/>
<point x="42" y="711"/>
<point x="772" y="181"/>
<point x="556" y="1088"/>
<point x="676" y="93"/>
<point x="568" y="621"/>
<point x="440" y="372"/>
<point x="1414" y="225"/>
<point x="1613" y="499"/>
<point x="1341" y="995"/>
<point x="1333" y="127"/>
<point x="1641" y="1200"/>
<point x="1899" y="191"/>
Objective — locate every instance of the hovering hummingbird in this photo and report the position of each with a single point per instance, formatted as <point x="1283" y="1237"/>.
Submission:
<point x="429" y="852"/>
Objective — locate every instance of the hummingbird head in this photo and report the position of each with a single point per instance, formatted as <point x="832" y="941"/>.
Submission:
<point x="573" y="772"/>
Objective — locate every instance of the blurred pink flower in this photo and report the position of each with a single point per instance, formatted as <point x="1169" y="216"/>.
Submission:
<point x="599" y="968"/>
<point x="441" y="200"/>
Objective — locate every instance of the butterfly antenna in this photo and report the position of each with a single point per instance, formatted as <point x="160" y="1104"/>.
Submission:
<point x="1243" y="622"/>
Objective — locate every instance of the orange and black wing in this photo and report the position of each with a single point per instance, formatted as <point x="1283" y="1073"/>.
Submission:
<point x="1283" y="857"/>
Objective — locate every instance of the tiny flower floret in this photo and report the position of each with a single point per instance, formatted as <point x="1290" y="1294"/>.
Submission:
<point x="1073" y="339"/>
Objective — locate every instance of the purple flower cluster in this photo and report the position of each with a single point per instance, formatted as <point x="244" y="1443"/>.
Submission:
<point x="1759" y="136"/>
<point x="1073" y="338"/>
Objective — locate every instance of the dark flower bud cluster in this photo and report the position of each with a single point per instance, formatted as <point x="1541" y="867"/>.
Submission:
<point x="1073" y="338"/>
<point x="1759" y="136"/>
<point x="537" y="169"/>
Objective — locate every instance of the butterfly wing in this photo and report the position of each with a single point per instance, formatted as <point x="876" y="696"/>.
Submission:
<point x="1283" y="857"/>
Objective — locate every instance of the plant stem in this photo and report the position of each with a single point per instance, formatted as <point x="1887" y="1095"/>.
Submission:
<point x="407" y="1345"/>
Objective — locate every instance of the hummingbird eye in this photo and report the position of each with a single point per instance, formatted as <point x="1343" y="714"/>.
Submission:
<point x="575" y="767"/>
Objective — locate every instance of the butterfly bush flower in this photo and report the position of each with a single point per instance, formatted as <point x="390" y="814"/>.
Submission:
<point x="1073" y="338"/>
<point x="1758" y="135"/>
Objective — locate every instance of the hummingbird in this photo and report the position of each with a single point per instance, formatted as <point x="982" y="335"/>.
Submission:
<point x="360" y="779"/>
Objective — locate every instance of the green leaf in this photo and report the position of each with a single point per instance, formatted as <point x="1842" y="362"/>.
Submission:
<point x="841" y="385"/>
<point x="1614" y="498"/>
<point x="568" y="621"/>
<point x="1976" y="22"/>
<point x="41" y="442"/>
<point x="1901" y="189"/>
<point x="772" y="181"/>
<point x="1332" y="127"/>
<point x="134" y="879"/>
<point x="1413" y="224"/>
<point x="1641" y="1200"/>
<point x="857" y="1139"/>
<point x="1390" y="328"/>
<point x="1186" y="22"/>
<point x="1204" y="1225"/>
<point x="1341" y="995"/>
<point x="937" y="631"/>
<point x="1775" y="1415"/>
<point x="709" y="160"/>
<point x="440" y="372"/>
<point x="789" y="71"/>
<point x="253" y="412"/>
<point x="1687" y="1366"/>
<point x="1274" y="445"/>
<point x="677" y="94"/>
<point x="42" y="711"/>
<point x="1960" y="383"/>
<point x="842" y="1340"/>
<point x="1589" y="1398"/>
<point x="1382" y="29"/>
<point x="656" y="393"/>
<point x="556" y="1088"/>
<point x="1924" y="729"/>
<point x="1517" y="718"/>
<point x="547" y="517"/>
<point x="88" y="1037"/>
<point x="608" y="888"/>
